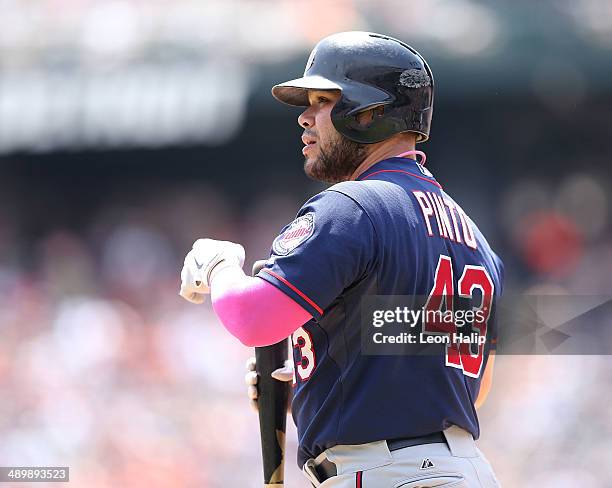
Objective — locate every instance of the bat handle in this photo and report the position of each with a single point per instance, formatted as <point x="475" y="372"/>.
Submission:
<point x="273" y="400"/>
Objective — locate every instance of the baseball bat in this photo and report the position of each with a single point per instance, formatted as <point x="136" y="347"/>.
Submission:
<point x="272" y="399"/>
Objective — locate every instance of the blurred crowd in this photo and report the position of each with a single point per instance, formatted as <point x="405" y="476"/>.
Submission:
<point x="104" y="368"/>
<point x="127" y="73"/>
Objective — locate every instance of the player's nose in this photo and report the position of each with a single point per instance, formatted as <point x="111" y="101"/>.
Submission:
<point x="306" y="118"/>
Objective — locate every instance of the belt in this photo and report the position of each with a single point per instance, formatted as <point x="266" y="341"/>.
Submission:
<point x="326" y="469"/>
<point x="435" y="438"/>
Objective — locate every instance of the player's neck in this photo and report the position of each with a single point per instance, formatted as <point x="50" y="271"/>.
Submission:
<point x="381" y="151"/>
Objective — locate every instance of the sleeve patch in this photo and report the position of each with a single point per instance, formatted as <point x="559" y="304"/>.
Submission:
<point x="295" y="234"/>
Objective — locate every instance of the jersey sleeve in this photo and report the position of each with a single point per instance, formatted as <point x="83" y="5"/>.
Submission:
<point x="329" y="246"/>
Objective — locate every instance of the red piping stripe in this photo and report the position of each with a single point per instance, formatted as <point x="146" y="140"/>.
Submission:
<point x="358" y="477"/>
<point x="283" y="280"/>
<point x="433" y="182"/>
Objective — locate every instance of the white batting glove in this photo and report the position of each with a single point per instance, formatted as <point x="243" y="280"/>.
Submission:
<point x="251" y="379"/>
<point x="205" y="256"/>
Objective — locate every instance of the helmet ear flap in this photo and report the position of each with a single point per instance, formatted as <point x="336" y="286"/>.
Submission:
<point x="375" y="115"/>
<point x="356" y="100"/>
<point x="376" y="129"/>
<point x="367" y="116"/>
<point x="377" y="111"/>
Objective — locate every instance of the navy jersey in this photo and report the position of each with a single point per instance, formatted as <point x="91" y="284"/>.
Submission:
<point x="394" y="231"/>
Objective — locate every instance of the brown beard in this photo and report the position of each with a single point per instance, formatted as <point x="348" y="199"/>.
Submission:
<point x="336" y="163"/>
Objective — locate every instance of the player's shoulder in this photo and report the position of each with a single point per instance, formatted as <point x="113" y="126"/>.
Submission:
<point x="339" y="197"/>
<point x="340" y="202"/>
<point x="344" y="197"/>
<point x="376" y="201"/>
<point x="362" y="189"/>
<point x="369" y="194"/>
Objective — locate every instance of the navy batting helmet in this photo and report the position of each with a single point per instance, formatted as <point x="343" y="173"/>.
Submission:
<point x="370" y="70"/>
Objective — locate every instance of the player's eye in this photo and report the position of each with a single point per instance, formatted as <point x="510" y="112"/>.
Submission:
<point x="322" y="100"/>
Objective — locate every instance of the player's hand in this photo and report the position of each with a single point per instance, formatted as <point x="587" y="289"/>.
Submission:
<point x="251" y="378"/>
<point x="206" y="256"/>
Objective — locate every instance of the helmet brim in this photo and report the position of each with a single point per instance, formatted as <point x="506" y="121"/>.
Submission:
<point x="295" y="92"/>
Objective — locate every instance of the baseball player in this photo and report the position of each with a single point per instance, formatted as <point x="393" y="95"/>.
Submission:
<point x="385" y="227"/>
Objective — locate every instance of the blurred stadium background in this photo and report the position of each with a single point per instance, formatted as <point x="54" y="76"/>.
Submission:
<point x="130" y="128"/>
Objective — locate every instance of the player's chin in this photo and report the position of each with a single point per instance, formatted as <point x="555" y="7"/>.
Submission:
<point x="315" y="170"/>
<point x="311" y="165"/>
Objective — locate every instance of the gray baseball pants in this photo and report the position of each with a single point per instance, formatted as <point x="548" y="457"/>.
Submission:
<point x="458" y="463"/>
